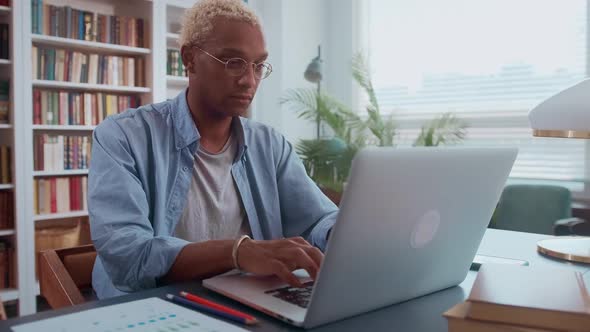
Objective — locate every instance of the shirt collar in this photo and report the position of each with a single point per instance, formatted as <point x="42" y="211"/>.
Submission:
<point x="186" y="132"/>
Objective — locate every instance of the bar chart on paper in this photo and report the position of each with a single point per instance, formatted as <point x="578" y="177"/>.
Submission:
<point x="152" y="314"/>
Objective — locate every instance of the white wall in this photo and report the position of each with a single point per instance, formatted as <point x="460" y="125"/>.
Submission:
<point x="293" y="30"/>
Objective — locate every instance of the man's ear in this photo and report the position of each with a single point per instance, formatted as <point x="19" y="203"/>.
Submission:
<point x="188" y="56"/>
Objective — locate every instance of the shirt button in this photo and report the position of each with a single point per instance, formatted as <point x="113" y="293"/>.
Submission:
<point x="185" y="168"/>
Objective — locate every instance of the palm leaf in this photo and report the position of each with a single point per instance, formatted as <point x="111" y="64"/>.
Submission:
<point x="446" y="129"/>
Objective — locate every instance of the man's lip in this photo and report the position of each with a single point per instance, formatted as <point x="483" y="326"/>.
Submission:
<point x="245" y="97"/>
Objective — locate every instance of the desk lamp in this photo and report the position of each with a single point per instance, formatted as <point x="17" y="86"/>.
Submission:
<point x="567" y="115"/>
<point x="313" y="74"/>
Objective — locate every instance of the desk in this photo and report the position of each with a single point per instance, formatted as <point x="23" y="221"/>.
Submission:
<point x="421" y="314"/>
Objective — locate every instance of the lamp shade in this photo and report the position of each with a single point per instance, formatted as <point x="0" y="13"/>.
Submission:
<point x="313" y="73"/>
<point x="566" y="114"/>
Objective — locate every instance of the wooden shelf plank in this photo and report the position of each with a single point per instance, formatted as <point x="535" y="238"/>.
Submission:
<point x="177" y="80"/>
<point x="89" y="87"/>
<point x="6" y="232"/>
<point x="88" y="45"/>
<point x="9" y="294"/>
<point x="66" y="172"/>
<point x="63" y="127"/>
<point x="65" y="215"/>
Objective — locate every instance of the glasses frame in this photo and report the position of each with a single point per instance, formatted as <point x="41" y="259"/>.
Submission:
<point x="245" y="67"/>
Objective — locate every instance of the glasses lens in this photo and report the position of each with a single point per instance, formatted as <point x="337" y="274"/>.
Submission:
<point x="235" y="66"/>
<point x="262" y="70"/>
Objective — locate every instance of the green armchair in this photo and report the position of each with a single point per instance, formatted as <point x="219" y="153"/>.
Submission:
<point x="543" y="209"/>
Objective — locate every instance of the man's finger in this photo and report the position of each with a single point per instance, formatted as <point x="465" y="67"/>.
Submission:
<point x="315" y="254"/>
<point x="298" y="240"/>
<point x="281" y="271"/>
<point x="303" y="261"/>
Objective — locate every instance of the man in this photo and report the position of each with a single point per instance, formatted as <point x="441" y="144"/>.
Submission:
<point x="175" y="188"/>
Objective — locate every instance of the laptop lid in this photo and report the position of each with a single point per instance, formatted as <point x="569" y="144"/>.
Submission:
<point x="410" y="223"/>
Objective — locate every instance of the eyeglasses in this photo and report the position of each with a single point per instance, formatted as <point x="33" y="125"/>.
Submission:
<point x="238" y="66"/>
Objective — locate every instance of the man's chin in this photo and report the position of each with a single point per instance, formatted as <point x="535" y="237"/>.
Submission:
<point x="235" y="111"/>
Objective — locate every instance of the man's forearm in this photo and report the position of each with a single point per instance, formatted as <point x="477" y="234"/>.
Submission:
<point x="201" y="260"/>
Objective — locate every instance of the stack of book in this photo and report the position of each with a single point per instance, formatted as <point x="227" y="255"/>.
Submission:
<point x="68" y="22"/>
<point x="7" y="279"/>
<point x="5" y="165"/>
<point x="175" y="66"/>
<point x="78" y="67"/>
<point x="4" y="41"/>
<point x="6" y="209"/>
<point x="507" y="298"/>
<point x="4" y="101"/>
<point x="61" y="152"/>
<point x="60" y="194"/>
<point x="52" y="107"/>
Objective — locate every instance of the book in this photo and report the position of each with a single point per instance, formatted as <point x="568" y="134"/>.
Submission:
<point x="4" y="101"/>
<point x="5" y="164"/>
<point x="459" y="322"/>
<point x="546" y="298"/>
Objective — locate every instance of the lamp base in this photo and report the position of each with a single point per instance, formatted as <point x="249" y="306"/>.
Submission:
<point x="569" y="248"/>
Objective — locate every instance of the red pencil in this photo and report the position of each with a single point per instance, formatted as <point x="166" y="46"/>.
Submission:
<point x="205" y="302"/>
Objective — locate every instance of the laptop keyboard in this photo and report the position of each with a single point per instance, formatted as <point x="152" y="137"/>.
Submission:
<point x="294" y="295"/>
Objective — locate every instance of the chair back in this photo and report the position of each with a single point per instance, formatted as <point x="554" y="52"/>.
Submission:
<point x="65" y="274"/>
<point x="532" y="208"/>
<point x="2" y="311"/>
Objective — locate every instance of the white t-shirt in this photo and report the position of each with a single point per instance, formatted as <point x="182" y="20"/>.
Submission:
<point x="214" y="209"/>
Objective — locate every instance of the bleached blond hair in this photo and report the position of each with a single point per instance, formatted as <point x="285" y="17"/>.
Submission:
<point x="197" y="21"/>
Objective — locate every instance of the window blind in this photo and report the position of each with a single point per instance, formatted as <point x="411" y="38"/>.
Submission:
<point x="487" y="61"/>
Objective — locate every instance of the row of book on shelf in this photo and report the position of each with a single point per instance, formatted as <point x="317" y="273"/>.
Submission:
<point x="4" y="101"/>
<point x="5" y="165"/>
<point x="6" y="209"/>
<point x="78" y="67"/>
<point x="61" y="152"/>
<point x="60" y="194"/>
<point x="4" y="41"/>
<point x="52" y="107"/>
<point x="68" y="22"/>
<point x="7" y="265"/>
<point x="174" y="67"/>
<point x="524" y="299"/>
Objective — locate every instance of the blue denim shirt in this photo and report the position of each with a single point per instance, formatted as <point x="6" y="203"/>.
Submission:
<point x="139" y="178"/>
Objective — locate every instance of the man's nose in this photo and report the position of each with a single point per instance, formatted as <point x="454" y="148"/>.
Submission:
<point x="248" y="78"/>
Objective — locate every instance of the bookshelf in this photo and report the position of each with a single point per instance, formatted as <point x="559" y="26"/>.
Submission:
<point x="9" y="137"/>
<point x="25" y="127"/>
<point x="161" y="18"/>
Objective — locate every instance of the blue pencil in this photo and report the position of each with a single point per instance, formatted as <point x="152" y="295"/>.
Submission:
<point x="213" y="311"/>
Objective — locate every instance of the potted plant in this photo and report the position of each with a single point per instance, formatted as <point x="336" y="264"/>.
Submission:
<point x="328" y="160"/>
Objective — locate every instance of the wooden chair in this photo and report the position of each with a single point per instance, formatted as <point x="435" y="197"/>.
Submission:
<point x="66" y="274"/>
<point x="2" y="311"/>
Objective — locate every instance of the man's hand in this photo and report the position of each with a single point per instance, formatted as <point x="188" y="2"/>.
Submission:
<point x="280" y="258"/>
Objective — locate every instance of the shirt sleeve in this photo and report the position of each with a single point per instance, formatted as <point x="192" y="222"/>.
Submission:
<point x="121" y="230"/>
<point x="304" y="207"/>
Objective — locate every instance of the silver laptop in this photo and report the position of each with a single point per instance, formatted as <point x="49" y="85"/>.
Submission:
<point x="410" y="223"/>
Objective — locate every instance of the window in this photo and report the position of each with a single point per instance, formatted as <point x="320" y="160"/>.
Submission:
<point x="487" y="61"/>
